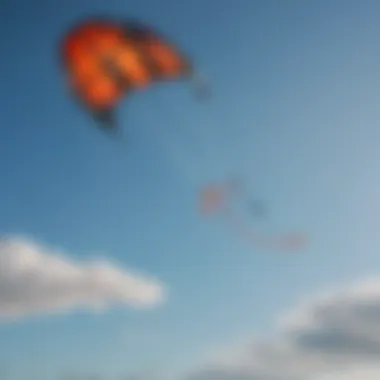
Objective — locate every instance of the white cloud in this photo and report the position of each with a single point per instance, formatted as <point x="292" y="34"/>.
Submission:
<point x="336" y="336"/>
<point x="35" y="279"/>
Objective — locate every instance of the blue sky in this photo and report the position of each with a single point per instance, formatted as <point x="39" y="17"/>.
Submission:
<point x="295" y="114"/>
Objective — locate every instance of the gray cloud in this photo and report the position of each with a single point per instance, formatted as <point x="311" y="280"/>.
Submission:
<point x="343" y="324"/>
<point x="335" y="336"/>
<point x="36" y="279"/>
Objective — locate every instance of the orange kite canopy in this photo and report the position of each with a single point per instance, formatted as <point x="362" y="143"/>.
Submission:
<point x="105" y="60"/>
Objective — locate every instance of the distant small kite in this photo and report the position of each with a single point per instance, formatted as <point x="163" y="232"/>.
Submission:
<point x="215" y="199"/>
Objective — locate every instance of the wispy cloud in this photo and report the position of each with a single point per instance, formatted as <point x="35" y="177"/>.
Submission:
<point x="336" y="336"/>
<point x="36" y="279"/>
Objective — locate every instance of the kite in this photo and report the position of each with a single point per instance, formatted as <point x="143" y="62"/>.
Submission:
<point x="106" y="60"/>
<point x="216" y="199"/>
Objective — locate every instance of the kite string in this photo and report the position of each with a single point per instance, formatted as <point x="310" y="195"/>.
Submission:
<point x="241" y="227"/>
<point x="203" y="153"/>
<point x="173" y="138"/>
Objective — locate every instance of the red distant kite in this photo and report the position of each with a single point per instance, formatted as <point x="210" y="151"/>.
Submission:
<point x="216" y="198"/>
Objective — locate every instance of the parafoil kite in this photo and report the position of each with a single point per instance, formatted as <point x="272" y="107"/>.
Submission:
<point x="105" y="60"/>
<point x="216" y="199"/>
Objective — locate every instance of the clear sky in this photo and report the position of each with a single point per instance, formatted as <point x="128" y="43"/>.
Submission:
<point x="295" y="113"/>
